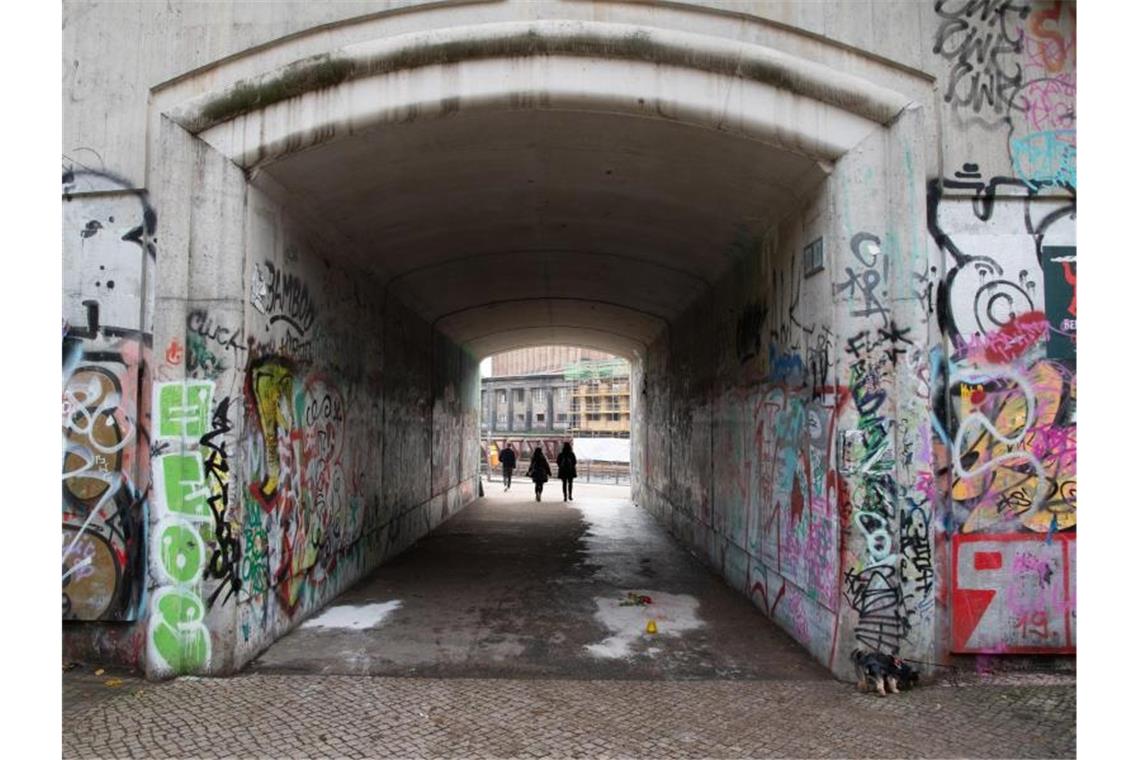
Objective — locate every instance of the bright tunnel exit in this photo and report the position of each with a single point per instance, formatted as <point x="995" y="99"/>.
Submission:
<point x="571" y="403"/>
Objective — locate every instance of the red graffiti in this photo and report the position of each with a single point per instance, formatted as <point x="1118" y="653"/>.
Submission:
<point x="1071" y="278"/>
<point x="1048" y="46"/>
<point x="174" y="352"/>
<point x="1016" y="337"/>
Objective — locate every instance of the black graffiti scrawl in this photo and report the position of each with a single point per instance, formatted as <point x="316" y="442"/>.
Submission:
<point x="283" y="297"/>
<point x="981" y="39"/>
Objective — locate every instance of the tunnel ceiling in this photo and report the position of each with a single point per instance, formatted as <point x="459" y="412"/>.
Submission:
<point x="509" y="228"/>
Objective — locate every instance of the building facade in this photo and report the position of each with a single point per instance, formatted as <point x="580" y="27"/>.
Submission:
<point x="528" y="361"/>
<point x="585" y="398"/>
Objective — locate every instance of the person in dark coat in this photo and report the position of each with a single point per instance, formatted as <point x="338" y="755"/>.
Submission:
<point x="567" y="470"/>
<point x="507" y="460"/>
<point x="539" y="471"/>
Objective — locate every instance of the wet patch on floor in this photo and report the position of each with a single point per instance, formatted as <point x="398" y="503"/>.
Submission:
<point x="642" y="619"/>
<point x="356" y="617"/>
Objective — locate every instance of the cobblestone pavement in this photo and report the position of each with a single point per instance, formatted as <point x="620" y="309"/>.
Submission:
<point x="287" y="716"/>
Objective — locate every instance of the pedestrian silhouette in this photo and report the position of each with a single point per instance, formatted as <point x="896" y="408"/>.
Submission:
<point x="507" y="460"/>
<point x="567" y="470"/>
<point x="539" y="471"/>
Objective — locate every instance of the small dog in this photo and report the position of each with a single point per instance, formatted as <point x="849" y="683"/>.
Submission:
<point x="885" y="672"/>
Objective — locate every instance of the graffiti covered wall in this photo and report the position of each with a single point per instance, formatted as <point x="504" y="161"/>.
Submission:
<point x="263" y="412"/>
<point x="890" y="463"/>
<point x="794" y="407"/>
<point x="353" y="436"/>
<point x="1007" y="413"/>
<point x="1005" y="406"/>
<point x="108" y="234"/>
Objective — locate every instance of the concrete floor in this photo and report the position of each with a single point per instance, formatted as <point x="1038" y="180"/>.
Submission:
<point x="511" y="588"/>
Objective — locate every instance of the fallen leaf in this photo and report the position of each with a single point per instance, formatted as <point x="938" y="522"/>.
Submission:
<point x="114" y="682"/>
<point x="100" y="672"/>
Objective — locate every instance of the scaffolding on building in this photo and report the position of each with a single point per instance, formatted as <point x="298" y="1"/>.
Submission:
<point x="600" y="398"/>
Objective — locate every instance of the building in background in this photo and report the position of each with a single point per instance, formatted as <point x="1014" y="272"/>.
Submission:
<point x="578" y="398"/>
<point x="600" y="398"/>
<point x="528" y="361"/>
<point x="585" y="398"/>
<point x="538" y="404"/>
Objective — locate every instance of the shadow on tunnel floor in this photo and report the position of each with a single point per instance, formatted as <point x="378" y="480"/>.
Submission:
<point x="514" y="588"/>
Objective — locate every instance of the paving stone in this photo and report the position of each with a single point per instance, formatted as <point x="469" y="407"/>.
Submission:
<point x="313" y="716"/>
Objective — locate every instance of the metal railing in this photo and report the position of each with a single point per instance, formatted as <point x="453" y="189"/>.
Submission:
<point x="589" y="471"/>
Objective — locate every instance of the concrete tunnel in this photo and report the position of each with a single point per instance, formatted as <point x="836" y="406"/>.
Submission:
<point x="347" y="223"/>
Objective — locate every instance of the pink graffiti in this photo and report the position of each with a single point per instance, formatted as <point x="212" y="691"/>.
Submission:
<point x="798" y="617"/>
<point x="924" y="484"/>
<point x="1029" y="563"/>
<point x="1055" y="442"/>
<point x="1035" y="594"/>
<point x="1047" y="104"/>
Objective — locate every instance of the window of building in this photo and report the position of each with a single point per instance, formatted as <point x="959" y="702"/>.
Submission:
<point x="539" y="417"/>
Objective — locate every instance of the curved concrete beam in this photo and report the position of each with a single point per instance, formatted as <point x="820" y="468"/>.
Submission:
<point x="478" y="183"/>
<point x="766" y="95"/>
<point x="580" y="39"/>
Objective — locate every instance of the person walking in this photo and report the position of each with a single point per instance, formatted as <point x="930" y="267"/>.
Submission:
<point x="539" y="471"/>
<point x="507" y="460"/>
<point x="567" y="470"/>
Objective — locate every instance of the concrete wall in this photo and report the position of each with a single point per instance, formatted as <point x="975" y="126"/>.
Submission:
<point x="795" y="415"/>
<point x="1005" y="374"/>
<point x="919" y="496"/>
<point x="1005" y="414"/>
<point x="107" y="360"/>
<point x="988" y="57"/>
<point x="303" y="425"/>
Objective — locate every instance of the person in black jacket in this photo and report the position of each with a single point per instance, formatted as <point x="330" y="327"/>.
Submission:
<point x="539" y="471"/>
<point x="567" y="470"/>
<point x="507" y="460"/>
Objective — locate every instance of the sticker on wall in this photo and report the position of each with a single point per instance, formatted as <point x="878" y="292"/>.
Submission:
<point x="1060" y="264"/>
<point x="183" y="410"/>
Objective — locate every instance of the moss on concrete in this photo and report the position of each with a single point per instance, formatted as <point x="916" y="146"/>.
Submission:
<point x="296" y="80"/>
<point x="325" y="71"/>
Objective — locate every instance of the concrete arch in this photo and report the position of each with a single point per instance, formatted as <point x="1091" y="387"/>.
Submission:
<point x="566" y="320"/>
<point x="411" y="142"/>
<point x="482" y="346"/>
<point x="476" y="187"/>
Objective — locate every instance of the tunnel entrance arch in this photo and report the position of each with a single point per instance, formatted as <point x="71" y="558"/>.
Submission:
<point x="379" y="215"/>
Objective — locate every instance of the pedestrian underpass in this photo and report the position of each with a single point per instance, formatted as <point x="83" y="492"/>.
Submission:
<point x="318" y="235"/>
